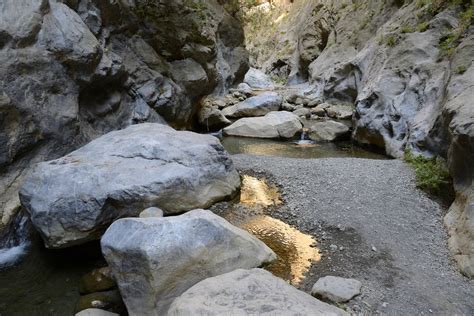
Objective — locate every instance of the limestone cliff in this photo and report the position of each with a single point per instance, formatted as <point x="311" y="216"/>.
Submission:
<point x="407" y="67"/>
<point x="73" y="70"/>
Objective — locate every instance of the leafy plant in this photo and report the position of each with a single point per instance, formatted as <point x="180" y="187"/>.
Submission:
<point x="422" y="27"/>
<point x="461" y="69"/>
<point x="431" y="173"/>
<point x="391" y="40"/>
<point x="407" y="29"/>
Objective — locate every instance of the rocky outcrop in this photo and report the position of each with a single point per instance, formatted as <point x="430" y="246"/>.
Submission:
<point x="255" y="106"/>
<point x="73" y="199"/>
<point x="74" y="70"/>
<point x="273" y="125"/>
<point x="248" y="292"/>
<point x="257" y="79"/>
<point x="156" y="260"/>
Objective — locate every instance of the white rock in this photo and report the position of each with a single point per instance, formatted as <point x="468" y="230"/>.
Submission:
<point x="336" y="289"/>
<point x="151" y="212"/>
<point x="95" y="312"/>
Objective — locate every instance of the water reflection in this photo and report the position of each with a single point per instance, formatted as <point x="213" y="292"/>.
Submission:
<point x="267" y="147"/>
<point x="296" y="251"/>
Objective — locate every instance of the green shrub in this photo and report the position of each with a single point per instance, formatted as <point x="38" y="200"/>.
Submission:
<point x="461" y="69"/>
<point x="431" y="173"/>
<point x="407" y="29"/>
<point x="391" y="40"/>
<point x="422" y="27"/>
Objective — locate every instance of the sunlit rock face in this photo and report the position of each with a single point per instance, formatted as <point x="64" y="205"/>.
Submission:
<point x="74" y="70"/>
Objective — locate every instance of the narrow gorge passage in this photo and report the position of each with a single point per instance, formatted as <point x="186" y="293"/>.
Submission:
<point x="236" y="157"/>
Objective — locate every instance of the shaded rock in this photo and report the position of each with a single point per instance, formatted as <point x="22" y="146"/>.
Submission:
<point x="257" y="79"/>
<point x="191" y="74"/>
<point x="336" y="289"/>
<point x="98" y="280"/>
<point x="248" y="292"/>
<point x="245" y="89"/>
<point x="95" y="312"/>
<point x="255" y="106"/>
<point x="212" y="119"/>
<point x="156" y="260"/>
<point x="73" y="199"/>
<point x="68" y="37"/>
<point x="109" y="300"/>
<point x="319" y="110"/>
<point x="151" y="212"/>
<point x="288" y="107"/>
<point x="273" y="125"/>
<point x="328" y="131"/>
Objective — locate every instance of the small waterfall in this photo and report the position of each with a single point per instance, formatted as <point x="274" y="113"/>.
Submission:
<point x="304" y="139"/>
<point x="15" y="240"/>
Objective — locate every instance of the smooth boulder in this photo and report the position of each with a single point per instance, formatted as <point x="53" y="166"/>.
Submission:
<point x="336" y="289"/>
<point x="255" y="106"/>
<point x="273" y="125"/>
<point x="73" y="199"/>
<point x="248" y="292"/>
<point x="257" y="79"/>
<point x="156" y="260"/>
<point x="328" y="131"/>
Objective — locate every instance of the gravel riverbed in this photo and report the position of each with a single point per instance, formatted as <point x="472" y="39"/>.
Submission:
<point x="372" y="224"/>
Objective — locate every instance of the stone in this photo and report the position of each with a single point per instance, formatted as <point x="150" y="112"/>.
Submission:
<point x="95" y="312"/>
<point x="328" y="131"/>
<point x="336" y="289"/>
<point x="73" y="199"/>
<point x="340" y="111"/>
<point x="248" y="292"/>
<point x="96" y="281"/>
<point x="68" y="37"/>
<point x="151" y="212"/>
<point x="288" y="107"/>
<point x="156" y="260"/>
<point x="319" y="110"/>
<point x="257" y="79"/>
<point x="191" y="74"/>
<point x="245" y="89"/>
<point x="302" y="112"/>
<point x="273" y="125"/>
<point x="109" y="300"/>
<point x="212" y="119"/>
<point x="255" y="106"/>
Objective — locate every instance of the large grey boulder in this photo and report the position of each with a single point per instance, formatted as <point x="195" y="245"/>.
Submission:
<point x="328" y="131"/>
<point x="248" y="292"/>
<point x="336" y="289"/>
<point x="156" y="260"/>
<point x="73" y="199"/>
<point x="273" y="125"/>
<point x="211" y="118"/>
<point x="95" y="312"/>
<point x="255" y="106"/>
<point x="257" y="79"/>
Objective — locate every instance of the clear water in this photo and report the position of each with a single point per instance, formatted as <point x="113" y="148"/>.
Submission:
<point x="296" y="149"/>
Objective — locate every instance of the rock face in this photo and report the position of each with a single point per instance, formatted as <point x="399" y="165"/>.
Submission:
<point x="255" y="106"/>
<point x="95" y="312"/>
<point x="257" y="79"/>
<point x="328" y="131"/>
<point x="89" y="67"/>
<point x="273" y="125"/>
<point x="248" y="292"/>
<point x="156" y="260"/>
<point x="336" y="289"/>
<point x="73" y="199"/>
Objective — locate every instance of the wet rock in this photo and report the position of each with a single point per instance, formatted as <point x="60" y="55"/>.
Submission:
<point x="96" y="281"/>
<point x="273" y="125"/>
<point x="151" y="212"/>
<point x="95" y="312"/>
<point x="257" y="79"/>
<point x="255" y="106"/>
<point x="336" y="289"/>
<point x="73" y="199"/>
<point x="109" y="300"/>
<point x="156" y="260"/>
<point x="248" y="292"/>
<point x="328" y="131"/>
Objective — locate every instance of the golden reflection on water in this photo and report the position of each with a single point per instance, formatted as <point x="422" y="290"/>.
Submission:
<point x="257" y="192"/>
<point x="296" y="251"/>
